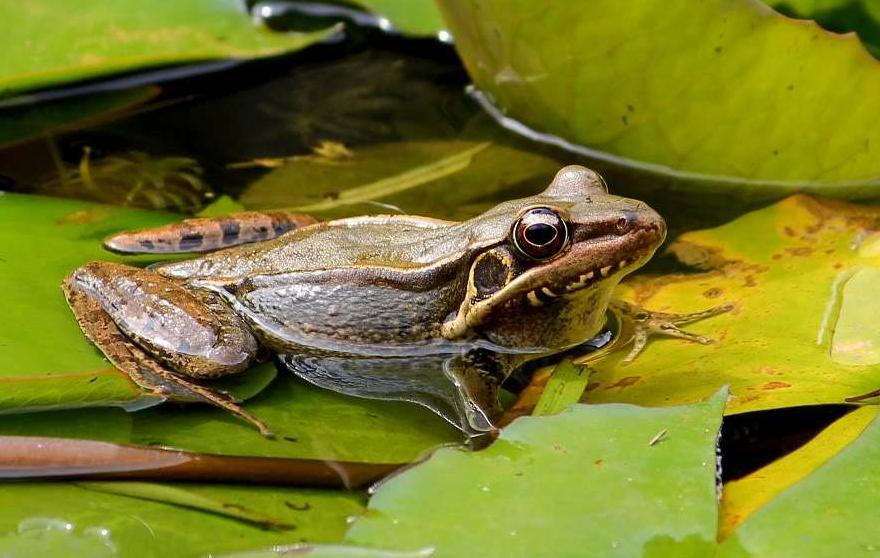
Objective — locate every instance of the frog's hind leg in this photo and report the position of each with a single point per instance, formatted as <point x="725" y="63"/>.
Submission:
<point x="205" y="234"/>
<point x="648" y="323"/>
<point x="95" y="286"/>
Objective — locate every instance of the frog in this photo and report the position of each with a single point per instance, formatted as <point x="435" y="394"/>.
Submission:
<point x="397" y="307"/>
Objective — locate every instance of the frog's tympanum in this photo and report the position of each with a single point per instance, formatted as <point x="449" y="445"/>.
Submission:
<point x="391" y="307"/>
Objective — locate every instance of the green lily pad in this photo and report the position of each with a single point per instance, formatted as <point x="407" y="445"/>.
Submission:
<point x="726" y="93"/>
<point x="831" y="512"/>
<point x="411" y="17"/>
<point x="742" y="497"/>
<point x="586" y="482"/>
<point x="802" y="328"/>
<point x="840" y="16"/>
<point x="46" y="361"/>
<point x="66" y="520"/>
<point x="48" y="44"/>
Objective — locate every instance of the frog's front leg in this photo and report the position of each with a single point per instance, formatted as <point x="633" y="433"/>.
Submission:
<point x="161" y="334"/>
<point x="649" y="323"/>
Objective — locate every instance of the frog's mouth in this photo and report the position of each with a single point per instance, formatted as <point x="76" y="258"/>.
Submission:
<point x="590" y="263"/>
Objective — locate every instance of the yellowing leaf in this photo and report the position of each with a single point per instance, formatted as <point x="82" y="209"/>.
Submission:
<point x="788" y="270"/>
<point x="831" y="512"/>
<point x="744" y="496"/>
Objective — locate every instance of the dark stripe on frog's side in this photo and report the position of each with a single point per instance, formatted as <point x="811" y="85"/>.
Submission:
<point x="208" y="233"/>
<point x="191" y="242"/>
<point x="231" y="231"/>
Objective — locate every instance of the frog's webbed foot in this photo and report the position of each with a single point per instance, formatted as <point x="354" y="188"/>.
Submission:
<point x="648" y="323"/>
<point x="143" y="369"/>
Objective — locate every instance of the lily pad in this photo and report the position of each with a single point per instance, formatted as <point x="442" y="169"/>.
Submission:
<point x="840" y="16"/>
<point x="411" y="17"/>
<point x="742" y="497"/>
<point x="53" y="519"/>
<point x="793" y="273"/>
<point x="586" y="482"/>
<point x="447" y="171"/>
<point x="724" y="93"/>
<point x="831" y="512"/>
<point x="48" y="44"/>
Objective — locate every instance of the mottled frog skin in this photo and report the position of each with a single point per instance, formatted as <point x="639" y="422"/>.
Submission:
<point x="392" y="307"/>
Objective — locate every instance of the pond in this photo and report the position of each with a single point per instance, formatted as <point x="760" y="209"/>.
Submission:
<point x="566" y="375"/>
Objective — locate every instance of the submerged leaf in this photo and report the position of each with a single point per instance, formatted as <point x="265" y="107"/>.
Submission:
<point x="398" y="183"/>
<point x="438" y="176"/>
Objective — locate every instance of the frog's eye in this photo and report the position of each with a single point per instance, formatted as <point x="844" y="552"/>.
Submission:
<point x="540" y="234"/>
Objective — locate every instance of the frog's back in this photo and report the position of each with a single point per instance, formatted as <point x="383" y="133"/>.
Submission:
<point x="393" y="242"/>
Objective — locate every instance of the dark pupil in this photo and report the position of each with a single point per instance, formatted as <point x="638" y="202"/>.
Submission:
<point x="540" y="234"/>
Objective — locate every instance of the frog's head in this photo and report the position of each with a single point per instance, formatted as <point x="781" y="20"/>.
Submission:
<point x="546" y="280"/>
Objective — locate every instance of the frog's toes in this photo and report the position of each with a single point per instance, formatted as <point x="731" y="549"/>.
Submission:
<point x="648" y="323"/>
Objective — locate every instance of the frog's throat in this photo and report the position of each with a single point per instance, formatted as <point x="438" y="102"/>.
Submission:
<point x="473" y="310"/>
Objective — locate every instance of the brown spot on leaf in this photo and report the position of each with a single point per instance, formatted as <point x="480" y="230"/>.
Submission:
<point x="776" y="385"/>
<point x="626" y="381"/>
<point x="83" y="216"/>
<point x="799" y="251"/>
<point x="695" y="255"/>
<point x="749" y="281"/>
<point x="789" y="231"/>
<point x="714" y="292"/>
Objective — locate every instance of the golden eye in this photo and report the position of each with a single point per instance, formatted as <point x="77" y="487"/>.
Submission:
<point x="540" y="234"/>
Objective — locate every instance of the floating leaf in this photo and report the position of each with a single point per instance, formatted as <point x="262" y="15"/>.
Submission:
<point x="727" y="92"/>
<point x="840" y="16"/>
<point x="48" y="44"/>
<point x="54" y="519"/>
<point x="741" y="497"/>
<point x="586" y="482"/>
<point x="412" y="17"/>
<point x="788" y="270"/>
<point x="831" y="512"/>
<point x="182" y="497"/>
